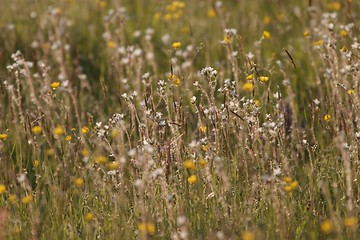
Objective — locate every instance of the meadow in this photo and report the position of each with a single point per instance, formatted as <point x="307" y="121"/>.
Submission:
<point x="159" y="119"/>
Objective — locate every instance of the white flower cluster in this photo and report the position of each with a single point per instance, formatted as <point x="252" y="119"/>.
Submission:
<point x="209" y="72"/>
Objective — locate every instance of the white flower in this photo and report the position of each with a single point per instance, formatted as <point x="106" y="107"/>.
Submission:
<point x="209" y="72"/>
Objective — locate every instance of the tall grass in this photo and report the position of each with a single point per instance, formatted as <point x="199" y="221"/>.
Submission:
<point x="179" y="119"/>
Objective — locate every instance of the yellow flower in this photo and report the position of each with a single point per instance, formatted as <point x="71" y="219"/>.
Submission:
<point x="36" y="129"/>
<point x="264" y="78"/>
<point x="211" y="13"/>
<point x="68" y="138"/>
<point x="288" y="188"/>
<point x="189" y="164"/>
<point x="287" y="179"/>
<point x="12" y="198"/>
<point x="326" y="226"/>
<point x="113" y="165"/>
<point x="36" y="163"/>
<point x="27" y="199"/>
<point x="333" y="6"/>
<point x="266" y="20"/>
<point x="227" y="39"/>
<point x="318" y="43"/>
<point x="176" y="45"/>
<point x="257" y="103"/>
<point x="115" y="133"/>
<point x="327" y="117"/>
<point x="203" y="162"/>
<point x="58" y="130"/>
<point x="150" y="228"/>
<point x="294" y="184"/>
<point x="350" y="222"/>
<point x="142" y="227"/>
<point x="55" y="85"/>
<point x="250" y="77"/>
<point x="167" y="17"/>
<point x="101" y="3"/>
<point x="111" y="44"/>
<point x="79" y="182"/>
<point x="350" y="91"/>
<point x="204" y="147"/>
<point x="343" y="49"/>
<point x="89" y="217"/>
<point x="266" y="35"/>
<point x="343" y="33"/>
<point x="85" y="153"/>
<point x="101" y="159"/>
<point x="306" y="34"/>
<point x="2" y="188"/>
<point x="3" y="136"/>
<point x="84" y="130"/>
<point x="248" y="87"/>
<point x="202" y="129"/>
<point x="247" y="235"/>
<point x="50" y="152"/>
<point x="192" y="179"/>
<point x="177" y="81"/>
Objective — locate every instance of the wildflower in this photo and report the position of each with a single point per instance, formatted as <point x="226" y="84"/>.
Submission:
<point x="79" y="182"/>
<point x="333" y="6"/>
<point x="189" y="164"/>
<point x="209" y="72"/>
<point x="176" y="45"/>
<point x="247" y="235"/>
<point x="85" y="153"/>
<point x="202" y="129"/>
<point x="204" y="148"/>
<point x="250" y="77"/>
<point x="68" y="138"/>
<point x="58" y="130"/>
<point x="264" y="78"/>
<point x="111" y="44"/>
<point x="350" y="91"/>
<point x="89" y="217"/>
<point x="288" y="188"/>
<point x="27" y="199"/>
<point x="113" y="165"/>
<point x="326" y="226"/>
<point x="211" y="13"/>
<point x="343" y="49"/>
<point x="101" y="159"/>
<point x="327" y="118"/>
<point x="294" y="184"/>
<point x="266" y="20"/>
<point x="287" y="179"/>
<point x="257" y="103"/>
<point x="115" y="133"/>
<point x="266" y="35"/>
<point x="50" y="152"/>
<point x="101" y="3"/>
<point x="3" y="136"/>
<point x="227" y="39"/>
<point x="343" y="33"/>
<point x="306" y="34"/>
<point x="248" y="87"/>
<point x="2" y="188"/>
<point x="84" y="130"/>
<point x="192" y="179"/>
<point x="36" y="163"/>
<point x="55" y="85"/>
<point x="318" y="43"/>
<point x="203" y="162"/>
<point x="350" y="222"/>
<point x="36" y="130"/>
<point x="147" y="228"/>
<point x="12" y="198"/>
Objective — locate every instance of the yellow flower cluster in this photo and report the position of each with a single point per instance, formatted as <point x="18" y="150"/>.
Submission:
<point x="173" y="11"/>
